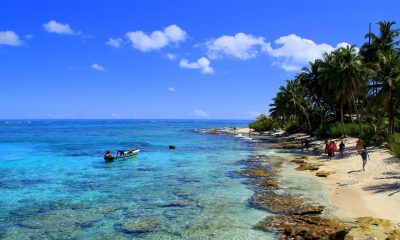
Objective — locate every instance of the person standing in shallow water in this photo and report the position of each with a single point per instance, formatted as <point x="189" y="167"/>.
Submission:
<point x="364" y="157"/>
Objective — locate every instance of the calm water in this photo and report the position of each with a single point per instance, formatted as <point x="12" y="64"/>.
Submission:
<point x="54" y="183"/>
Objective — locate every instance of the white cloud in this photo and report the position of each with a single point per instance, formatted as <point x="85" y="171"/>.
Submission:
<point x="291" y="52"/>
<point x="171" y="89"/>
<point x="157" y="39"/>
<point x="242" y="46"/>
<point x="9" y="38"/>
<point x="296" y="52"/>
<point x="171" y="56"/>
<point x="114" y="42"/>
<point x="59" y="28"/>
<point x="202" y="63"/>
<point x="97" y="67"/>
<point x="200" y="113"/>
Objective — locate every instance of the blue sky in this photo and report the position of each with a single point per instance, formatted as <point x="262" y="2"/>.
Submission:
<point x="165" y="59"/>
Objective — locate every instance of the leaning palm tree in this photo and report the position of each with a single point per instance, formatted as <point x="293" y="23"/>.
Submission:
<point x="293" y="99"/>
<point x="308" y="77"/>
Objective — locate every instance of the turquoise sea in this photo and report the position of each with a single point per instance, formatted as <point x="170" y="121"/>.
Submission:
<point x="54" y="183"/>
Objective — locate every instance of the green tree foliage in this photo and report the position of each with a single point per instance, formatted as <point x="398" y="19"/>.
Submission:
<point x="346" y="92"/>
<point x="394" y="144"/>
<point x="262" y="124"/>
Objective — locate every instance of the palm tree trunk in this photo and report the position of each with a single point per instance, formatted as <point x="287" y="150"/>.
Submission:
<point x="358" y="115"/>
<point x="341" y="117"/>
<point x="308" y="123"/>
<point x="391" y="113"/>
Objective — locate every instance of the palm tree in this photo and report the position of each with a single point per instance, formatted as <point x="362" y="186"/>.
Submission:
<point x="387" y="73"/>
<point x="386" y="40"/>
<point x="380" y="56"/>
<point x="291" y="102"/>
<point x="341" y="79"/>
<point x="309" y="78"/>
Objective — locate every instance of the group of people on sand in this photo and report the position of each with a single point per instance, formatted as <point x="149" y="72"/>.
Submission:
<point x="331" y="149"/>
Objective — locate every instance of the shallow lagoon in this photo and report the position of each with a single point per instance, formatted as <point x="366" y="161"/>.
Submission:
<point x="55" y="185"/>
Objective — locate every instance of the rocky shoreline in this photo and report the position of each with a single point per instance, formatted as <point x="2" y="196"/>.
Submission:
<point x="293" y="218"/>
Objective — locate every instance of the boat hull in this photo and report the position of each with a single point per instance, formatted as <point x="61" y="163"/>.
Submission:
<point x="126" y="156"/>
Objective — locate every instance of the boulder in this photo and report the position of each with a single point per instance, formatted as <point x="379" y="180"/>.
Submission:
<point x="324" y="173"/>
<point x="254" y="172"/>
<point x="269" y="183"/>
<point x="285" y="205"/>
<point x="298" y="161"/>
<point x="288" y="145"/>
<point x="304" y="227"/>
<point x="373" y="228"/>
<point x="308" y="166"/>
<point x="301" y="157"/>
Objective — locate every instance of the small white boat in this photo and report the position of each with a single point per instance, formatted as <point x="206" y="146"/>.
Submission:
<point x="121" y="155"/>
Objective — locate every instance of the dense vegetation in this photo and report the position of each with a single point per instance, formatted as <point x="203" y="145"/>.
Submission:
<point x="347" y="92"/>
<point x="263" y="124"/>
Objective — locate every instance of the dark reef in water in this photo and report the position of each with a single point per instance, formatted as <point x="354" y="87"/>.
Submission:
<point x="293" y="218"/>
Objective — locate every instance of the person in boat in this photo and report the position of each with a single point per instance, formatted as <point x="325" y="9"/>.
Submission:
<point x="108" y="156"/>
<point x="120" y="153"/>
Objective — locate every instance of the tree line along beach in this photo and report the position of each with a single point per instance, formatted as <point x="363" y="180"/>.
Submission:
<point x="350" y="96"/>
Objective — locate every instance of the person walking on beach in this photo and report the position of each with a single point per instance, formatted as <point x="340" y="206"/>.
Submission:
<point x="330" y="150"/>
<point x="334" y="148"/>
<point x="359" y="145"/>
<point x="364" y="157"/>
<point x="326" y="146"/>
<point x="341" y="149"/>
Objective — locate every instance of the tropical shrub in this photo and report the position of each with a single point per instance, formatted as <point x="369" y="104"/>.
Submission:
<point x="322" y="131"/>
<point x="293" y="127"/>
<point x="263" y="125"/>
<point x="373" y="135"/>
<point x="335" y="130"/>
<point x="394" y="144"/>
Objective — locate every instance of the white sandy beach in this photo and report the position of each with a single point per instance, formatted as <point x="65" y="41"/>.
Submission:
<point x="355" y="193"/>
